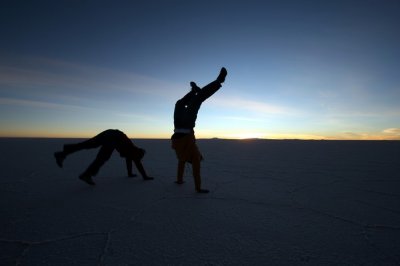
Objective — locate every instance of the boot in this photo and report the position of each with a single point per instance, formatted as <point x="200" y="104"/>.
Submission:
<point x="60" y="156"/>
<point x="87" y="179"/>
<point x="222" y="75"/>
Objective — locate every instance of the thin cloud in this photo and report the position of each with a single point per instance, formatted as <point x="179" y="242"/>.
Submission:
<point x="40" y="104"/>
<point x="392" y="131"/>
<point x="368" y="136"/>
<point x="135" y="117"/>
<point x="56" y="75"/>
<point x="69" y="107"/>
<point x="240" y="118"/>
<point x="253" y="106"/>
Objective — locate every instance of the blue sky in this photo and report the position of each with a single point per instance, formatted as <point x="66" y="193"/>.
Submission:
<point x="296" y="69"/>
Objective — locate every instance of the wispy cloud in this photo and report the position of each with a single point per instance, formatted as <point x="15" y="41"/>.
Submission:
<point x="387" y="134"/>
<point x="80" y="109"/>
<point x="139" y="117"/>
<point x="392" y="131"/>
<point x="40" y="104"/>
<point x="240" y="118"/>
<point x="55" y="76"/>
<point x="257" y="107"/>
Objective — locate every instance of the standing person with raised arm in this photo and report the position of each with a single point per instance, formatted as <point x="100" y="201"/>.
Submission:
<point x="183" y="139"/>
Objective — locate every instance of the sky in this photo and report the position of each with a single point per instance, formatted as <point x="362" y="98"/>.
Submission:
<point x="296" y="69"/>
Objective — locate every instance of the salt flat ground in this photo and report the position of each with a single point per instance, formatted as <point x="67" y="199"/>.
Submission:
<point x="271" y="203"/>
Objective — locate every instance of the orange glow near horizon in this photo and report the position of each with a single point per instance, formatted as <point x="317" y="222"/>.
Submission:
<point x="199" y="135"/>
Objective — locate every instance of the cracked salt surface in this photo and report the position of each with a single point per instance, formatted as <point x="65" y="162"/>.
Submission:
<point x="271" y="203"/>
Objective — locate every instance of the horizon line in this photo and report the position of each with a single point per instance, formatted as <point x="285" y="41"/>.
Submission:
<point x="205" y="138"/>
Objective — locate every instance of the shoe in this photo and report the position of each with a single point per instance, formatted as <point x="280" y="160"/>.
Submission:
<point x="202" y="191"/>
<point x="180" y="182"/>
<point x="148" y="178"/>
<point x="222" y="75"/>
<point x="194" y="86"/>
<point x="59" y="158"/>
<point x="87" y="179"/>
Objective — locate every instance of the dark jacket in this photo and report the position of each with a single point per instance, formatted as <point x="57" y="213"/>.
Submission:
<point x="118" y="140"/>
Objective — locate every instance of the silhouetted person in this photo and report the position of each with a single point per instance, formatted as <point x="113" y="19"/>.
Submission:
<point x="183" y="139"/>
<point x="108" y="140"/>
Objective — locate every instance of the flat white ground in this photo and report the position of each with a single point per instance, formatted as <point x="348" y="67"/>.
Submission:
<point x="271" y="203"/>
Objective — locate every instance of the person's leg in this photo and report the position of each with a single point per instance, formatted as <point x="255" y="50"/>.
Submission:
<point x="71" y="148"/>
<point x="103" y="155"/>
<point x="212" y="87"/>
<point x="181" y="170"/>
<point x="92" y="143"/>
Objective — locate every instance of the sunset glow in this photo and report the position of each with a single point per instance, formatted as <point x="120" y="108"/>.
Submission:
<point x="314" y="70"/>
